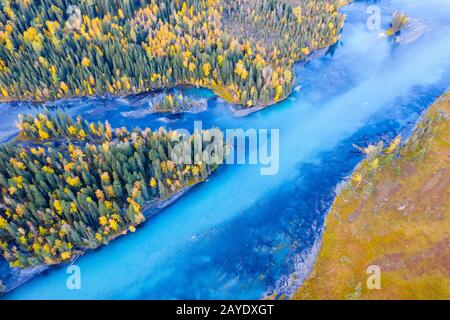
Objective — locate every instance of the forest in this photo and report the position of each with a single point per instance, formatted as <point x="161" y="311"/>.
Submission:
<point x="244" y="50"/>
<point x="69" y="185"/>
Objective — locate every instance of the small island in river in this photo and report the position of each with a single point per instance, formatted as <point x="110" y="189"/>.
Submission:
<point x="177" y="103"/>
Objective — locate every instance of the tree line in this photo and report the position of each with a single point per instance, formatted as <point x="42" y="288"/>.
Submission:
<point x="69" y="185"/>
<point x="244" y="50"/>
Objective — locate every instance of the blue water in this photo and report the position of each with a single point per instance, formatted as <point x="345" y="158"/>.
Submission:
<point x="241" y="234"/>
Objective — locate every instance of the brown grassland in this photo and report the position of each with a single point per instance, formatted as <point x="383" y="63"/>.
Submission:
<point x="394" y="213"/>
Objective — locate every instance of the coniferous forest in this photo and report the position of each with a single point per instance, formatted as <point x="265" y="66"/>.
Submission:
<point x="242" y="49"/>
<point x="175" y="103"/>
<point x="69" y="185"/>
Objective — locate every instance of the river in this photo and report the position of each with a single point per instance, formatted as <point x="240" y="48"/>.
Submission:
<point x="242" y="235"/>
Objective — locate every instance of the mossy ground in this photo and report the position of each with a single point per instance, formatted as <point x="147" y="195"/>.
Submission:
<point x="397" y="217"/>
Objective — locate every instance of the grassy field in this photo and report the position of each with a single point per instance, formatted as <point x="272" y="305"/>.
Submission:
<point x="394" y="214"/>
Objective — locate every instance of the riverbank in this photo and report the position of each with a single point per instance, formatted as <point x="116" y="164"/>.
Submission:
<point x="11" y="278"/>
<point x="229" y="93"/>
<point x="144" y="202"/>
<point x="393" y="215"/>
<point x="220" y="92"/>
<point x="248" y="56"/>
<point x="238" y="113"/>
